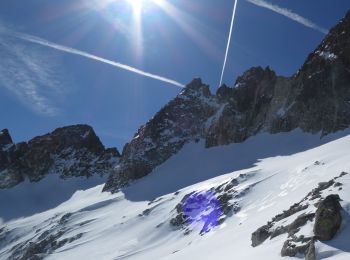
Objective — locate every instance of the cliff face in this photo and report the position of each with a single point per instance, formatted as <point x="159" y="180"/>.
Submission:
<point x="69" y="152"/>
<point x="315" y="99"/>
<point x="165" y="134"/>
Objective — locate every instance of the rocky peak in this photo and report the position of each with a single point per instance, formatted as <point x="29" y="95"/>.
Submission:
<point x="70" y="151"/>
<point x="5" y="138"/>
<point x="180" y="121"/>
<point x="224" y="93"/>
<point x="316" y="99"/>
<point x="255" y="84"/>
<point x="253" y="76"/>
<point x="334" y="48"/>
<point x="195" y="89"/>
<point x="321" y="87"/>
<point x="70" y="137"/>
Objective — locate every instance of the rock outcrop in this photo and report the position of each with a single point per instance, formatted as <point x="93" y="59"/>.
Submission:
<point x="316" y="99"/>
<point x="5" y="139"/>
<point x="324" y="214"/>
<point x="328" y="218"/>
<point x="69" y="152"/>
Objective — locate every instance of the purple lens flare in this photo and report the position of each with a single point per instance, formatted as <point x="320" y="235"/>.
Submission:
<point x="202" y="210"/>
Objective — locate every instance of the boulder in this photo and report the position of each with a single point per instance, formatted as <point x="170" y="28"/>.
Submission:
<point x="260" y="235"/>
<point x="328" y="218"/>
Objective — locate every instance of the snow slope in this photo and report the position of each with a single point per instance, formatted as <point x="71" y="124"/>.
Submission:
<point x="135" y="223"/>
<point x="30" y="198"/>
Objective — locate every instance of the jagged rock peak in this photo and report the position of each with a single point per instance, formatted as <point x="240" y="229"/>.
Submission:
<point x="74" y="136"/>
<point x="335" y="46"/>
<point x="196" y="83"/>
<point x="315" y="100"/>
<point x="70" y="151"/>
<point x="253" y="76"/>
<point x="224" y="92"/>
<point x="5" y="138"/>
<point x="180" y="121"/>
<point x="346" y="18"/>
<point x="195" y="88"/>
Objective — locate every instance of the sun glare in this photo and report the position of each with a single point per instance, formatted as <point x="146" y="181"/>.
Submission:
<point x="136" y="5"/>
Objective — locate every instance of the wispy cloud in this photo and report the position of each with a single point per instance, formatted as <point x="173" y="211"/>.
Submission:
<point x="289" y="14"/>
<point x="31" y="75"/>
<point x="70" y="50"/>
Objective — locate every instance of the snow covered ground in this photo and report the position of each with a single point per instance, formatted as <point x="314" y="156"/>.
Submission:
<point x="135" y="222"/>
<point x="28" y="198"/>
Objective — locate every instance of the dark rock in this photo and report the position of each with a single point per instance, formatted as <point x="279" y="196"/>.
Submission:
<point x="266" y="231"/>
<point x="9" y="179"/>
<point x="70" y="151"/>
<point x="338" y="184"/>
<point x="39" y="249"/>
<point x="301" y="220"/>
<point x="279" y="231"/>
<point x="310" y="253"/>
<point x="65" y="218"/>
<point x="328" y="218"/>
<point x="5" y="138"/>
<point x="40" y="245"/>
<point x="260" y="235"/>
<point x="342" y="175"/>
<point x="297" y="207"/>
<point x="316" y="193"/>
<point x="172" y="127"/>
<point x="291" y="249"/>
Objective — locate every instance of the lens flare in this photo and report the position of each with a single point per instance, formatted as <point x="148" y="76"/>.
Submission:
<point x="136" y="6"/>
<point x="202" y="210"/>
<point x="191" y="26"/>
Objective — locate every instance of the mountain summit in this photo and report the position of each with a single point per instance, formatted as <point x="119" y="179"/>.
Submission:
<point x="69" y="152"/>
<point x="315" y="99"/>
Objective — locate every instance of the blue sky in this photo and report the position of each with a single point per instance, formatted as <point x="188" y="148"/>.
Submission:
<point x="42" y="88"/>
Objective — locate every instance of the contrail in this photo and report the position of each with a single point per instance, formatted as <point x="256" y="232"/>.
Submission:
<point x="62" y="48"/>
<point x="289" y="14"/>
<point x="228" y="42"/>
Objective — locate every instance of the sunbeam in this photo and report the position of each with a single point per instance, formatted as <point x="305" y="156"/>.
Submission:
<point x="191" y="26"/>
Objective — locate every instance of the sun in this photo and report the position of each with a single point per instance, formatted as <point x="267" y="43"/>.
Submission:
<point x="136" y="5"/>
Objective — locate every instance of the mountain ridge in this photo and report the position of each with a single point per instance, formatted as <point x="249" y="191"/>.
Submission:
<point x="70" y="151"/>
<point x="315" y="99"/>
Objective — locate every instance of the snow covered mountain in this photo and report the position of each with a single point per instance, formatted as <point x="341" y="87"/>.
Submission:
<point x="71" y="151"/>
<point x="274" y="205"/>
<point x="315" y="99"/>
<point x="259" y="169"/>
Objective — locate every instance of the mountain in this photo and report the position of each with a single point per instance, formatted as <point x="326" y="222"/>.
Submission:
<point x="258" y="169"/>
<point x="70" y="151"/>
<point x="315" y="99"/>
<point x="269" y="209"/>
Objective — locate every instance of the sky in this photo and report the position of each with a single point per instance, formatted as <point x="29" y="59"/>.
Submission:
<point x="62" y="61"/>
